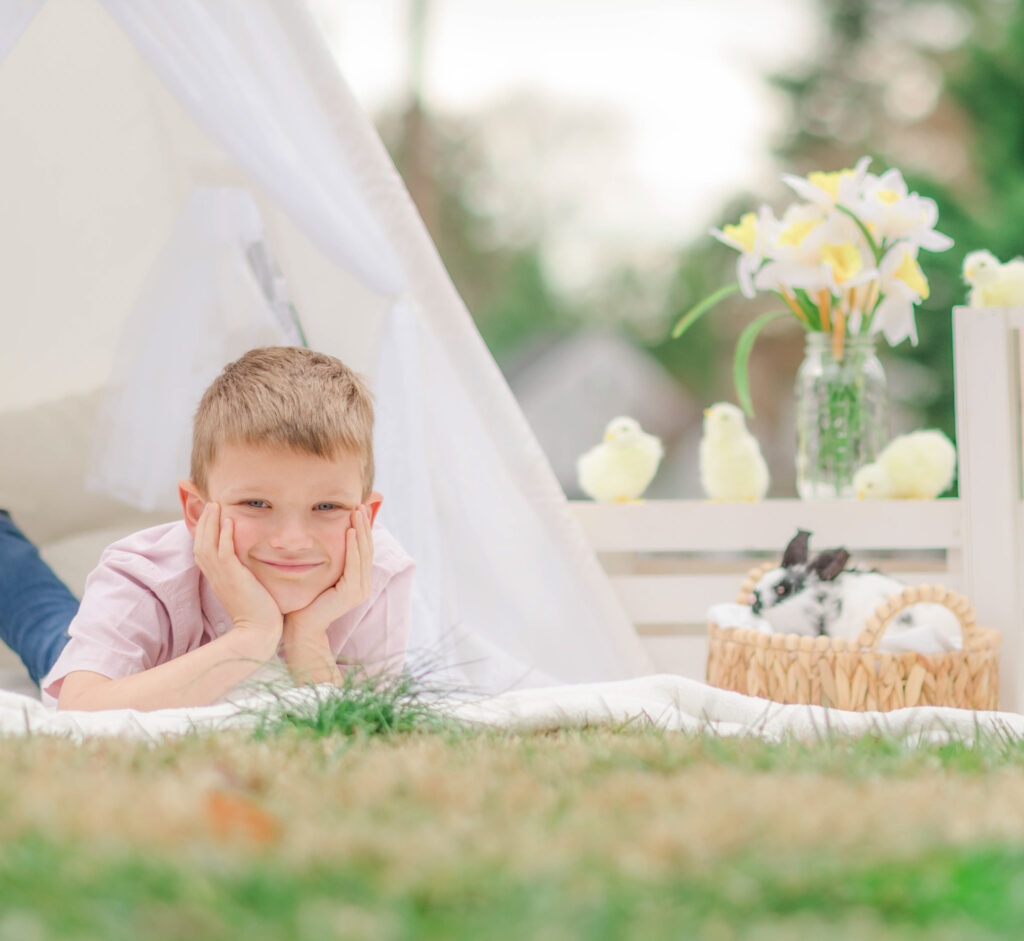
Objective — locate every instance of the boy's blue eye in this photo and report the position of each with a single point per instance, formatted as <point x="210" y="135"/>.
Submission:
<point x="327" y="506"/>
<point x="257" y="503"/>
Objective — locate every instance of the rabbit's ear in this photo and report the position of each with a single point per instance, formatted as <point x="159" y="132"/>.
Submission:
<point x="830" y="563"/>
<point x="796" y="551"/>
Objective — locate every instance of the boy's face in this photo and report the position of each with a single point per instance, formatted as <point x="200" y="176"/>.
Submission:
<point x="290" y="510"/>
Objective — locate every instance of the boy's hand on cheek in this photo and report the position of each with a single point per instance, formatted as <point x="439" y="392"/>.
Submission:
<point x="248" y="603"/>
<point x="352" y="589"/>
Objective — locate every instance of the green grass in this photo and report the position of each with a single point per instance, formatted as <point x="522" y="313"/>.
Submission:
<point x="47" y="891"/>
<point x="362" y="819"/>
<point x="391" y="705"/>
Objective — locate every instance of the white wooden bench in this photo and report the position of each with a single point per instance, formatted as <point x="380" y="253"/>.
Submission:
<point x="670" y="560"/>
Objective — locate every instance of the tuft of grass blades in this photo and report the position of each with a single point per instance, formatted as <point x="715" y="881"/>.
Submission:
<point x="362" y="708"/>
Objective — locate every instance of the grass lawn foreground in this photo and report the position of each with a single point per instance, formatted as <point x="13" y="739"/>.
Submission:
<point x="398" y="827"/>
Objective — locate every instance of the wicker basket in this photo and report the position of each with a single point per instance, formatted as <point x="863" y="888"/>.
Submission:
<point x="855" y="674"/>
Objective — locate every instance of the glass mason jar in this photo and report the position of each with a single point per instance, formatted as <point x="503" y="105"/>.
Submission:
<point x="841" y="415"/>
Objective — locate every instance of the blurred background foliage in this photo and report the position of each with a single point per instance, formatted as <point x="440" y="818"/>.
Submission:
<point x="930" y="86"/>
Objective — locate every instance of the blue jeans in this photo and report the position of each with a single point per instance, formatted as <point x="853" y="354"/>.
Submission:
<point x="35" y="605"/>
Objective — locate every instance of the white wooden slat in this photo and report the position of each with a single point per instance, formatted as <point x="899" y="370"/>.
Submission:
<point x="918" y="561"/>
<point x="988" y="391"/>
<point x="663" y="599"/>
<point x="667" y="599"/>
<point x="699" y="526"/>
<point x="675" y="629"/>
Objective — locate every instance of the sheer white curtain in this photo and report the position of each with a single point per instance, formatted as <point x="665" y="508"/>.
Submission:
<point x="209" y="298"/>
<point x="231" y="66"/>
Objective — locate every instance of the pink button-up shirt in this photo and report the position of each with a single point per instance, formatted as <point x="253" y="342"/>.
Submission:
<point x="147" y="603"/>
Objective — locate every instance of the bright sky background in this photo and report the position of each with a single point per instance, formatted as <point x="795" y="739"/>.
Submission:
<point x="684" y="78"/>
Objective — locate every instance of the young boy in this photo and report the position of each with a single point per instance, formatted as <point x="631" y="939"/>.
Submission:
<point x="277" y="551"/>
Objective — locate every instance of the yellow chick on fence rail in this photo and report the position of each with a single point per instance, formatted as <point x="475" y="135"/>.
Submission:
<point x="915" y="466"/>
<point x="993" y="284"/>
<point x="621" y="468"/>
<point x="731" y="465"/>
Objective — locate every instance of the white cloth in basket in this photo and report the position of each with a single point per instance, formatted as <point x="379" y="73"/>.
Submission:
<point x="923" y="639"/>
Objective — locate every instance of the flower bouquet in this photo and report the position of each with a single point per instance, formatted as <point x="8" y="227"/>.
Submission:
<point x="843" y="261"/>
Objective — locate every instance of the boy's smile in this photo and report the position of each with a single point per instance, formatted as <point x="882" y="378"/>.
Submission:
<point x="290" y="511"/>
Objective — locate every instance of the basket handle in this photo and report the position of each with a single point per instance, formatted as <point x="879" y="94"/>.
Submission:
<point x="876" y="625"/>
<point x="753" y="577"/>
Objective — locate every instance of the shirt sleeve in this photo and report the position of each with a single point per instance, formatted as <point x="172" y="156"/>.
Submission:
<point x="120" y="628"/>
<point x="377" y="636"/>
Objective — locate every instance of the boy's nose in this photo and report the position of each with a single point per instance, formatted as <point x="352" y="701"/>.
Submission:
<point x="290" y="534"/>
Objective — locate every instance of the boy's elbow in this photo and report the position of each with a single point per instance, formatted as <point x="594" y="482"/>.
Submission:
<point x="79" y="691"/>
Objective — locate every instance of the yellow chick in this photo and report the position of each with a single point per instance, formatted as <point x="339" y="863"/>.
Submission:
<point x="994" y="284"/>
<point x="916" y="466"/>
<point x="731" y="464"/>
<point x="619" y="469"/>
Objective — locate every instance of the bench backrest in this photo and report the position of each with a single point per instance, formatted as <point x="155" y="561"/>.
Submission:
<point x="670" y="560"/>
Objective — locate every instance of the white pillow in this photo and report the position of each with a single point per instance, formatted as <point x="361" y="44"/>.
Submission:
<point x="44" y="455"/>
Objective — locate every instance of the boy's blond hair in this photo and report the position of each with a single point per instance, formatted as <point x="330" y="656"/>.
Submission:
<point x="287" y="397"/>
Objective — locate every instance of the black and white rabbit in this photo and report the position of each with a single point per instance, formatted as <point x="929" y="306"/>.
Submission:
<point x="821" y="595"/>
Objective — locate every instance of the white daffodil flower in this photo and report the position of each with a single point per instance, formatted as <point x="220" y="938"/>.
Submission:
<point x="817" y="252"/>
<point x="893" y="214"/>
<point x="827" y="189"/>
<point x="903" y="286"/>
<point x="794" y="261"/>
<point x="753" y="236"/>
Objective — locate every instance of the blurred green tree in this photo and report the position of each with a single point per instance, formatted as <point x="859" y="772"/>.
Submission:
<point x="502" y="279"/>
<point x="444" y="166"/>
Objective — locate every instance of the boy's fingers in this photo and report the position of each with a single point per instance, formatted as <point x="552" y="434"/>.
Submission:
<point x="226" y="542"/>
<point x="352" y="562"/>
<point x="366" y="551"/>
<point x="203" y="530"/>
<point x="368" y="529"/>
<point x="363" y="533"/>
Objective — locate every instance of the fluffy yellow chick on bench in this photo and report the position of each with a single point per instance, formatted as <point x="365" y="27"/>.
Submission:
<point x="915" y="466"/>
<point x="621" y="468"/>
<point x="731" y="464"/>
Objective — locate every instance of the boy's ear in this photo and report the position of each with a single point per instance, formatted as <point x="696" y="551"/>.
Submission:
<point x="192" y="503"/>
<point x="373" y="501"/>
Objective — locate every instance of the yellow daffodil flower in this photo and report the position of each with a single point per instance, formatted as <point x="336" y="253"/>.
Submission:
<point x="893" y="214"/>
<point x="743" y="234"/>
<point x="837" y="187"/>
<point x="829" y="182"/>
<point x="795" y="233"/>
<point x="844" y="260"/>
<point x="903" y="286"/>
<point x="910" y="273"/>
<point x="752" y="237"/>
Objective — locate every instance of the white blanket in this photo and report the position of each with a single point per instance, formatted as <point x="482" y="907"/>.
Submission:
<point x="667" y="701"/>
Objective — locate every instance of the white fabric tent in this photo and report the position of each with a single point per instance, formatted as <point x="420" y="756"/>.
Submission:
<point x="181" y="180"/>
